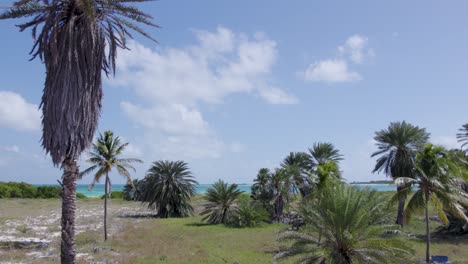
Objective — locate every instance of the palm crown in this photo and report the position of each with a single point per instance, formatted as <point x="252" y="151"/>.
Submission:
<point x="397" y="148"/>
<point x="71" y="37"/>
<point x="105" y="155"/>
<point x="168" y="187"/>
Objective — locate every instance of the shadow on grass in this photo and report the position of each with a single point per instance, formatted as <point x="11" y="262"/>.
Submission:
<point x="198" y="224"/>
<point x="139" y="216"/>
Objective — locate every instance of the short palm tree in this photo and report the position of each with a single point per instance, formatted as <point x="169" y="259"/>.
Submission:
<point x="351" y="222"/>
<point x="72" y="39"/>
<point x="397" y="146"/>
<point x="437" y="182"/>
<point x="132" y="192"/>
<point x="297" y="164"/>
<point x="105" y="156"/>
<point x="168" y="187"/>
<point x="221" y="203"/>
<point x="321" y="152"/>
<point x="281" y="184"/>
<point x="462" y="136"/>
<point x="262" y="191"/>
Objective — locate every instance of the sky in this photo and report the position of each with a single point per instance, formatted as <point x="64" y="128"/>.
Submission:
<point x="234" y="86"/>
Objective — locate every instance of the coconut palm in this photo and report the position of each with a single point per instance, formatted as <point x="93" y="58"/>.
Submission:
<point x="222" y="203"/>
<point x="462" y="136"/>
<point x="437" y="182"/>
<point x="321" y="152"/>
<point x="351" y="222"/>
<point x="76" y="40"/>
<point x="105" y="156"/>
<point x="397" y="146"/>
<point x="168" y="187"/>
<point x="297" y="164"/>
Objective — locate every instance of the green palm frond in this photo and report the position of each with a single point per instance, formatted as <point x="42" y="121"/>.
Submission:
<point x="350" y="222"/>
<point x="397" y="146"/>
<point x="222" y="203"/>
<point x="168" y="187"/>
<point x="462" y="136"/>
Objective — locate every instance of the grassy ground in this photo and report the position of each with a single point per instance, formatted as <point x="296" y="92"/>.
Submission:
<point x="149" y="240"/>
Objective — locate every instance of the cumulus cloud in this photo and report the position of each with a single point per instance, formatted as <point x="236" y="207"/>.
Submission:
<point x="17" y="113"/>
<point x="174" y="83"/>
<point x="221" y="64"/>
<point x="330" y="71"/>
<point x="337" y="70"/>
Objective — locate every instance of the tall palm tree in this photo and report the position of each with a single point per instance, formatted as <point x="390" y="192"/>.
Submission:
<point x="437" y="181"/>
<point x="297" y="164"/>
<point x="71" y="41"/>
<point x="222" y="203"/>
<point x="397" y="146"/>
<point x="351" y="222"/>
<point x="321" y="152"/>
<point x="105" y="155"/>
<point x="462" y="136"/>
<point x="168" y="187"/>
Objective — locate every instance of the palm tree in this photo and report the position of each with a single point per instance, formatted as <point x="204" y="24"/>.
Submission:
<point x="397" y="146"/>
<point x="281" y="185"/>
<point x="437" y="182"/>
<point x="132" y="192"/>
<point x="105" y="155"/>
<point x="262" y="189"/>
<point x="296" y="164"/>
<point x="72" y="40"/>
<point x="462" y="136"/>
<point x="351" y="222"/>
<point x="222" y="203"/>
<point x="168" y="187"/>
<point x="322" y="152"/>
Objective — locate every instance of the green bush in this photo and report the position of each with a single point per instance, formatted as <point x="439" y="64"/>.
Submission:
<point x="46" y="192"/>
<point x="81" y="196"/>
<point x="17" y="190"/>
<point x="115" y="195"/>
<point x="249" y="214"/>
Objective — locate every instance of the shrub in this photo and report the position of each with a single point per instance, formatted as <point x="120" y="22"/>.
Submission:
<point x="115" y="195"/>
<point x="17" y="190"/>
<point x="81" y="196"/>
<point x="249" y="214"/>
<point x="46" y="192"/>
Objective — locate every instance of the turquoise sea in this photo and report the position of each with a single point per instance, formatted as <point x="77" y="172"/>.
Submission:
<point x="98" y="189"/>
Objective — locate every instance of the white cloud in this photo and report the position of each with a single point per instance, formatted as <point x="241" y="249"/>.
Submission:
<point x="174" y="83"/>
<point x="337" y="70"/>
<point x="330" y="71"/>
<point x="275" y="95"/>
<point x="17" y="113"/>
<point x="221" y="64"/>
<point x="356" y="48"/>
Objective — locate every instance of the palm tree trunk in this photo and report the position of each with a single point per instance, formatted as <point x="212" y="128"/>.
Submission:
<point x="401" y="207"/>
<point x="105" y="205"/>
<point x="428" y="233"/>
<point x="67" y="249"/>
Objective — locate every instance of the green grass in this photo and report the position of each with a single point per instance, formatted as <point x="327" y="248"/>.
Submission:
<point x="183" y="240"/>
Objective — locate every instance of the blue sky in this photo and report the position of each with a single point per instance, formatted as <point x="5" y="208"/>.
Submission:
<point x="234" y="86"/>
